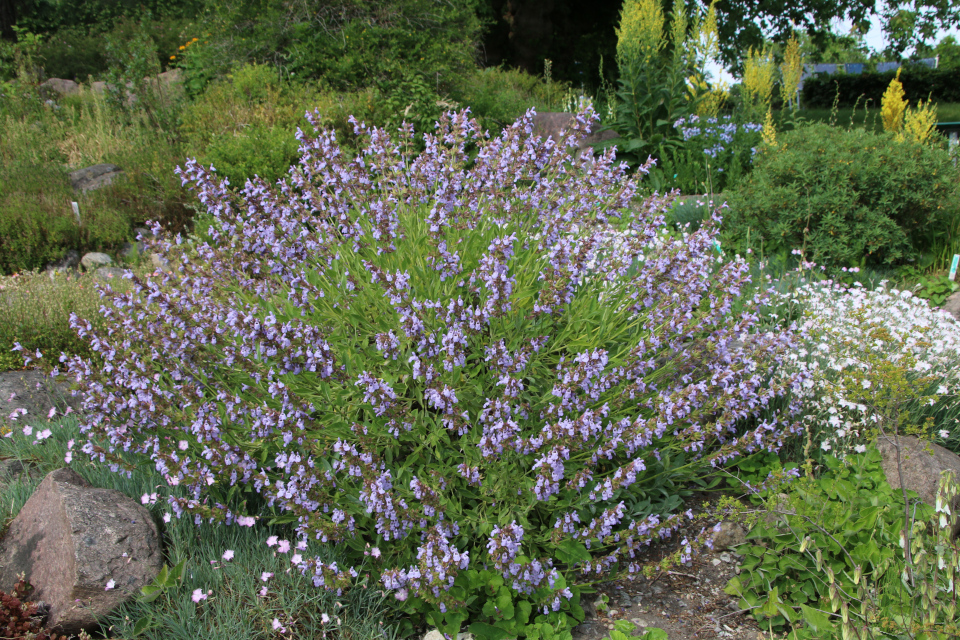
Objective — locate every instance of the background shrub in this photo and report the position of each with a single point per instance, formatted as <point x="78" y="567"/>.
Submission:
<point x="919" y="83"/>
<point x="848" y="197"/>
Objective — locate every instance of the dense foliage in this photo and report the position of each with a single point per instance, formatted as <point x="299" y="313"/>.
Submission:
<point x="845" y="197"/>
<point x="847" y="90"/>
<point x="448" y="364"/>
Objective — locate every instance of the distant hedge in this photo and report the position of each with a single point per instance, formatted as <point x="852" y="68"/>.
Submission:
<point x="919" y="83"/>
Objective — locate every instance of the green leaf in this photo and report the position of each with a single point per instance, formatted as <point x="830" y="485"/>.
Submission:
<point x="150" y="592"/>
<point x="487" y="631"/>
<point x="142" y="625"/>
<point x="571" y="551"/>
<point x="816" y="619"/>
<point x="655" y="634"/>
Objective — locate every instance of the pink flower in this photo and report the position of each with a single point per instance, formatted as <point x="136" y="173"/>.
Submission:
<point x="228" y="555"/>
<point x="110" y="584"/>
<point x="296" y="558"/>
<point x="271" y="541"/>
<point x="246" y="521"/>
<point x="198" y="595"/>
<point x="278" y="627"/>
<point x="183" y="444"/>
<point x="53" y="412"/>
<point x="166" y="517"/>
<point x="266" y="575"/>
<point x="324" y="618"/>
<point x="263" y="592"/>
<point x="283" y="546"/>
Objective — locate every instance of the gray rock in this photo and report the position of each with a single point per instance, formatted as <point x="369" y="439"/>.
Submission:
<point x="71" y="540"/>
<point x="31" y="390"/>
<point x="952" y="305"/>
<point x="94" y="260"/>
<point x="159" y="262"/>
<point x="130" y="250"/>
<point x="730" y="535"/>
<point x="69" y="262"/>
<point x="109" y="273"/>
<point x="922" y="463"/>
<point x="94" y="177"/>
<point x="56" y="87"/>
<point x="552" y="125"/>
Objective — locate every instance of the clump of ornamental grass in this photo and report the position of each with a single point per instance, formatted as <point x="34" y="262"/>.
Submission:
<point x="875" y="359"/>
<point x="440" y="363"/>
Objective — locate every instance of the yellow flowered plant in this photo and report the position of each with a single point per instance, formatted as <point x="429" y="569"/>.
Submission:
<point x="759" y="74"/>
<point x="640" y="36"/>
<point x="791" y="71"/>
<point x="893" y="106"/>
<point x="769" y="134"/>
<point x="920" y="122"/>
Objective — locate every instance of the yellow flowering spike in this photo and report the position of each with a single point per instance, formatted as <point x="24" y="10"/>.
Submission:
<point x="640" y="36"/>
<point x="920" y="122"/>
<point x="758" y="77"/>
<point x="712" y="102"/>
<point x="709" y="40"/>
<point x="893" y="106"/>
<point x="791" y="71"/>
<point x="678" y="27"/>
<point x="769" y="134"/>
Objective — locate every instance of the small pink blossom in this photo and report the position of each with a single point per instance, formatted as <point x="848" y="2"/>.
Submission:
<point x="278" y="627"/>
<point x="111" y="583"/>
<point x="166" y="517"/>
<point x="198" y="595"/>
<point x="53" y="412"/>
<point x="246" y="521"/>
<point x="228" y="555"/>
<point x="283" y="546"/>
<point x="183" y="444"/>
<point x="296" y="558"/>
<point x="266" y="575"/>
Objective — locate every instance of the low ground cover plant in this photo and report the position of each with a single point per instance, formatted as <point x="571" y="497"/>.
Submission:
<point x="444" y="369"/>
<point x="839" y="557"/>
<point x="875" y="359"/>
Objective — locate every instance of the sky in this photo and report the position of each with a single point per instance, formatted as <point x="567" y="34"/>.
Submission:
<point x="874" y="39"/>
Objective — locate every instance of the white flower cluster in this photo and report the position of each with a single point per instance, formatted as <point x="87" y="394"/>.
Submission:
<point x="844" y="329"/>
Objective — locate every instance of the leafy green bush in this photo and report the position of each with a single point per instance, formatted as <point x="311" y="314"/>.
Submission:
<point x="831" y="555"/>
<point x="498" y="96"/>
<point x="258" y="150"/>
<point x="845" y="197"/>
<point x="444" y="364"/>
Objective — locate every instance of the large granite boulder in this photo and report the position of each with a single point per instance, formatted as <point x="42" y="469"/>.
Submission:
<point x="57" y="87"/>
<point x="94" y="260"/>
<point x="551" y="125"/>
<point x="85" y="550"/>
<point x="94" y="177"/>
<point x="922" y="462"/>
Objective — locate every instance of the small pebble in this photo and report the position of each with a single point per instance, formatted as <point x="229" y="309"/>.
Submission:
<point x="613" y="612"/>
<point x="736" y="569"/>
<point x="610" y="627"/>
<point x="715" y="562"/>
<point x="726" y="557"/>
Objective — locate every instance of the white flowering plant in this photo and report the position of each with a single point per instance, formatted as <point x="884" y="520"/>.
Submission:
<point x="875" y="359"/>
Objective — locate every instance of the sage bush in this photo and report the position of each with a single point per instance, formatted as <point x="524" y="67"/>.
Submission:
<point x="480" y="370"/>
